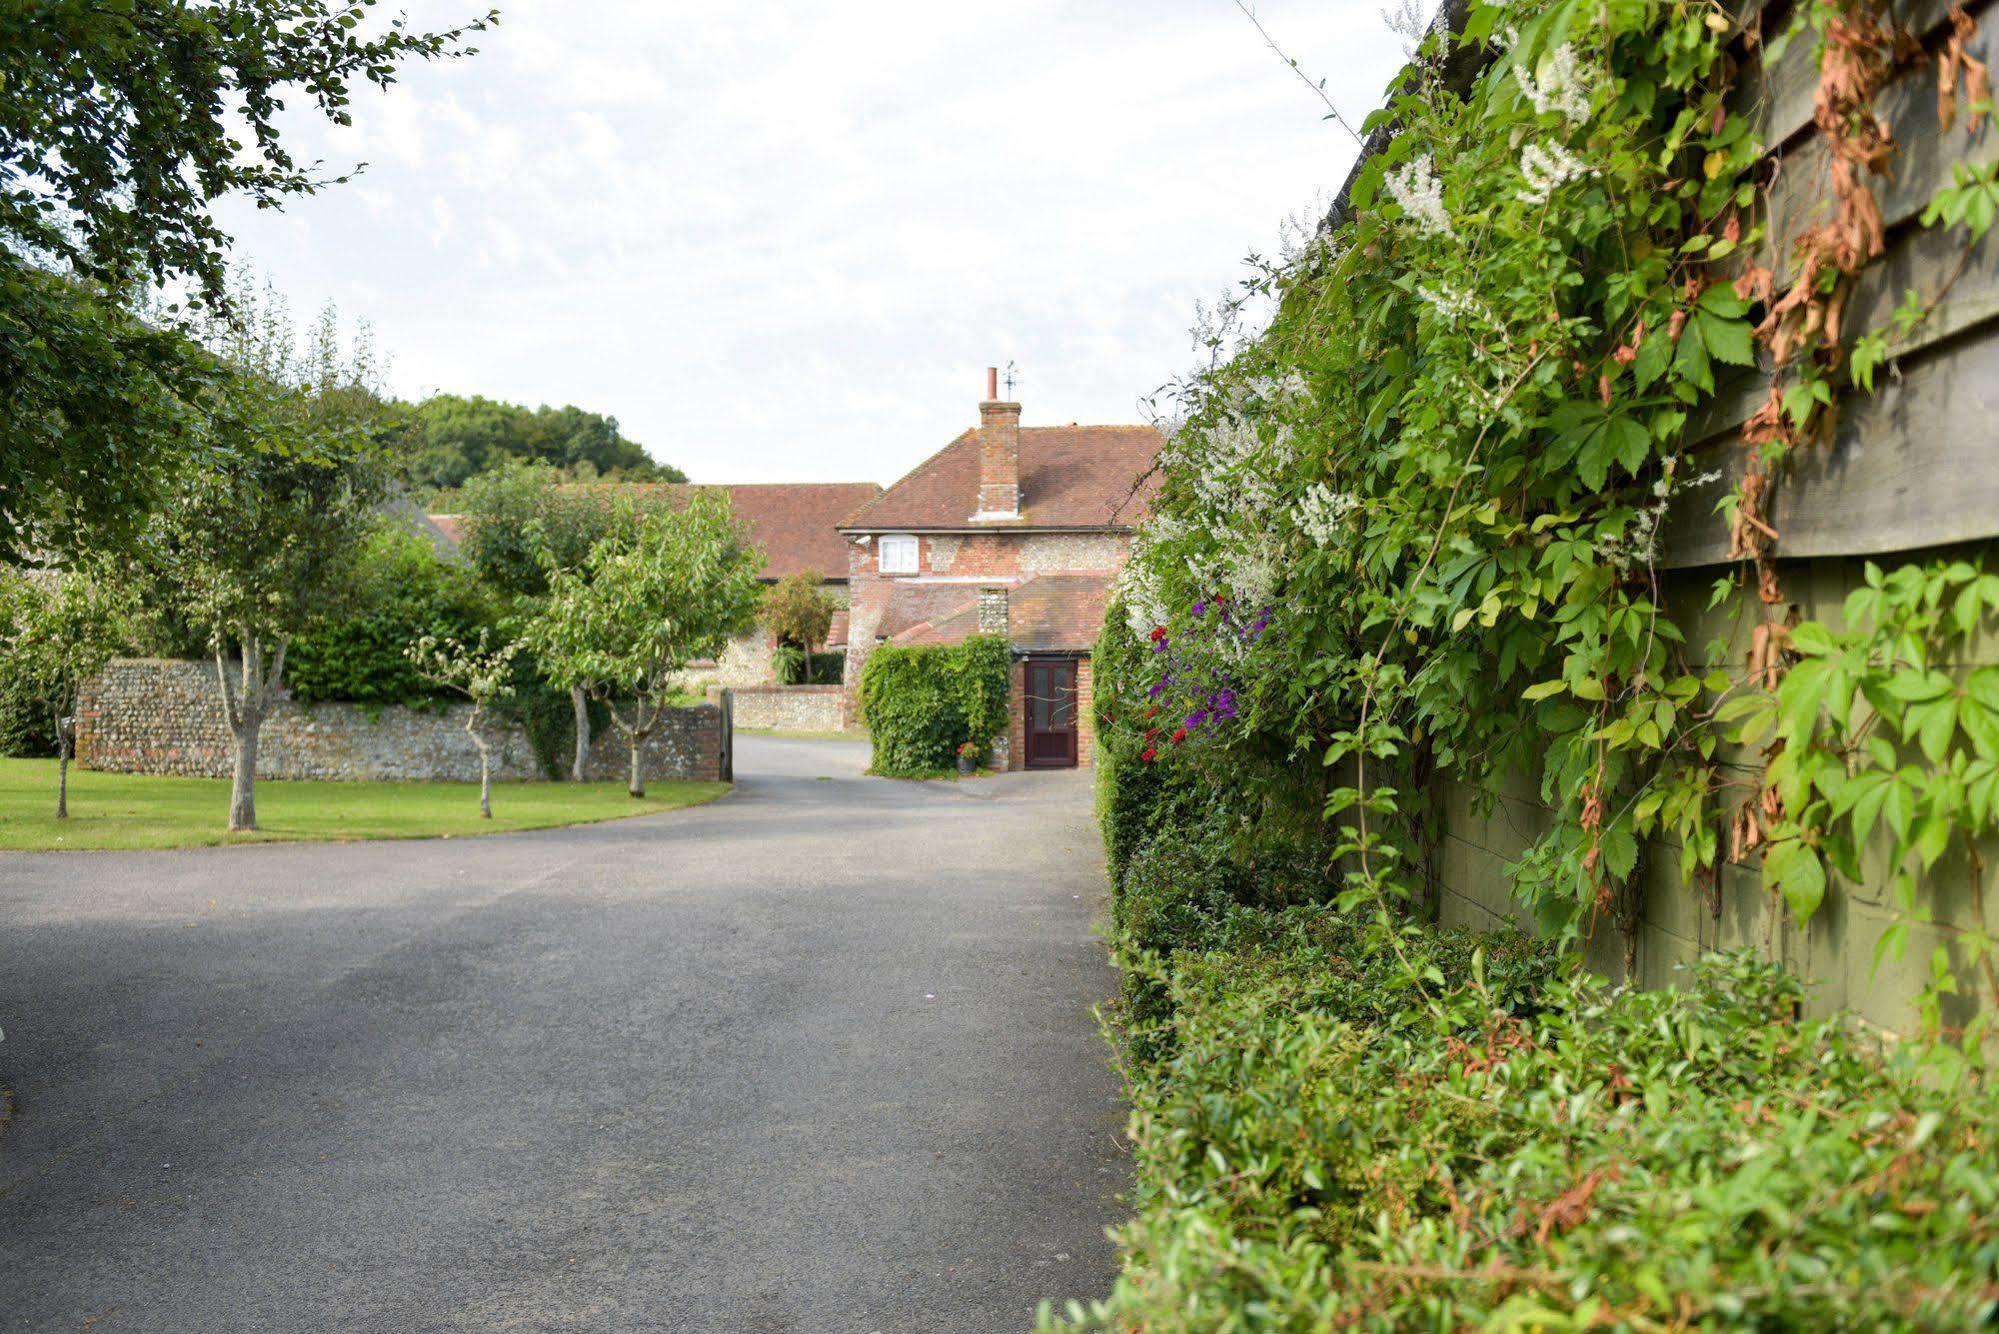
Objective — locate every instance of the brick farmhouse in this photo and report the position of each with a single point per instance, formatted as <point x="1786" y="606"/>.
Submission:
<point x="1013" y="531"/>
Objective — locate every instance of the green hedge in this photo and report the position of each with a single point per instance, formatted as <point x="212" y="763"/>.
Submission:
<point x="1317" y="1145"/>
<point x="407" y="590"/>
<point x="921" y="703"/>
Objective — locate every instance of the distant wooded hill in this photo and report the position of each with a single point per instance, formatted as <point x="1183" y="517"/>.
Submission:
<point x="448" y="438"/>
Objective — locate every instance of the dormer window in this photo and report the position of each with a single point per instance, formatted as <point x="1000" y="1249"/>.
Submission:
<point x="897" y="554"/>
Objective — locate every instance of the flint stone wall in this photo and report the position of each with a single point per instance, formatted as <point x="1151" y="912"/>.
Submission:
<point x="790" y="708"/>
<point x="163" y="716"/>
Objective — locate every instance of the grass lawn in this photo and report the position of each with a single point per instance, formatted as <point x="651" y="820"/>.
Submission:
<point x="142" y="811"/>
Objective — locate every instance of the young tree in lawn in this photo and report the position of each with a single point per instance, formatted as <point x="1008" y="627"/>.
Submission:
<point x="482" y="674"/>
<point x="59" y="630"/>
<point x="259" y="540"/>
<point x="521" y="523"/>
<point x="798" y="610"/>
<point x="649" y="598"/>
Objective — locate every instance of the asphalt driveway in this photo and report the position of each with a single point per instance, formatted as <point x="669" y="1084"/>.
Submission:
<point x="816" y="1057"/>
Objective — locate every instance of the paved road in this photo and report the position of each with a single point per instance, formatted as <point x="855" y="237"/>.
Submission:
<point x="816" y="1057"/>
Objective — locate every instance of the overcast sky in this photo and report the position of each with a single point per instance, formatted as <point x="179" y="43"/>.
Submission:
<point x="780" y="241"/>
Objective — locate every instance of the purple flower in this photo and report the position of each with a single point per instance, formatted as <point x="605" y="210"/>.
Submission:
<point x="1201" y="608"/>
<point x="1158" y="646"/>
<point x="1156" y="689"/>
<point x="1224" y="704"/>
<point x="1196" y="718"/>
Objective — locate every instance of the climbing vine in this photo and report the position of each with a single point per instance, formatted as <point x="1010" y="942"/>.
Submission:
<point x="1411" y="529"/>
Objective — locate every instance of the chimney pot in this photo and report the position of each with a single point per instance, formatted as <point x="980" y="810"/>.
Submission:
<point x="992" y="383"/>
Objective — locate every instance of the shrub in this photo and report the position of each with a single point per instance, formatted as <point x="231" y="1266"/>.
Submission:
<point x="1314" y="1149"/>
<point x="828" y="669"/>
<point x="922" y="703"/>
<point x="407" y="591"/>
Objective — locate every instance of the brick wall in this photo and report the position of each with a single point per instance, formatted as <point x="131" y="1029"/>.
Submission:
<point x="156" y="716"/>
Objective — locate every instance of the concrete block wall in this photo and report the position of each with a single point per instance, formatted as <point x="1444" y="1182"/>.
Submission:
<point x="162" y="716"/>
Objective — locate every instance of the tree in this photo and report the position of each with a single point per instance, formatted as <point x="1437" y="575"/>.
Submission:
<point x="521" y="523"/>
<point x="798" y="610"/>
<point x="120" y="126"/>
<point x="58" y="631"/>
<point x="651" y="596"/>
<point x="448" y="440"/>
<point x="480" y="673"/>
<point x="261" y="538"/>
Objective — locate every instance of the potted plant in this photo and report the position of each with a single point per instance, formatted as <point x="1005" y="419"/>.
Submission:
<point x="968" y="759"/>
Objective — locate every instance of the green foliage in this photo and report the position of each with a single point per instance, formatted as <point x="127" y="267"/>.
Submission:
<point x="56" y="632"/>
<point x="660" y="590"/>
<point x="794" y="667"/>
<point x="798" y="610"/>
<point x="922" y="702"/>
<point x="402" y="591"/>
<point x="448" y="440"/>
<point x="1316" y="1145"/>
<point x="113" y="150"/>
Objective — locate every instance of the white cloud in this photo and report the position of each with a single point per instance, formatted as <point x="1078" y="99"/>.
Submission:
<point x="780" y="241"/>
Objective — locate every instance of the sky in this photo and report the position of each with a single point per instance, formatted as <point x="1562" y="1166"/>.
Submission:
<point x="781" y="241"/>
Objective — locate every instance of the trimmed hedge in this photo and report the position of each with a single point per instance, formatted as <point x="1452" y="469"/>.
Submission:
<point x="921" y="703"/>
<point x="1317" y="1145"/>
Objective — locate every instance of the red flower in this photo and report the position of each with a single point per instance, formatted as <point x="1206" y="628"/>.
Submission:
<point x="1179" y="736"/>
<point x="1152" y="711"/>
<point x="1151" y="732"/>
<point x="1149" y="755"/>
<point x="1158" y="633"/>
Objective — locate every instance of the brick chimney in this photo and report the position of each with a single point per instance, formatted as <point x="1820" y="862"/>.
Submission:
<point x="999" y="454"/>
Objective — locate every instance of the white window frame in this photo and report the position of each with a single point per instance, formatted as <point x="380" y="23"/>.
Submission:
<point x="895" y="542"/>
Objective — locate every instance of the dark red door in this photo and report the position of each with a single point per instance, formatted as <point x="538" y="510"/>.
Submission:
<point x="1051" y="713"/>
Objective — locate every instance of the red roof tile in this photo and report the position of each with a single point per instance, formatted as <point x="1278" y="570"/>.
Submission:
<point x="1070" y="477"/>
<point x="796" y="523"/>
<point x="1057" y="612"/>
<point x="912" y="604"/>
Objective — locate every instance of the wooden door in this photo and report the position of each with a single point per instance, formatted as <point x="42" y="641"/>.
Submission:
<point x="1051" y="713"/>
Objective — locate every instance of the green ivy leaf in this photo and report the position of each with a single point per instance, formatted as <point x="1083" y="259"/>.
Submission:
<point x="1795" y="871"/>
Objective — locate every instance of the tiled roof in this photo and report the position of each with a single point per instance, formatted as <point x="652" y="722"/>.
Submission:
<point x="795" y="523"/>
<point x="1057" y="612"/>
<point x="1070" y="477"/>
<point x="912" y="604"/>
<point x="1049" y="613"/>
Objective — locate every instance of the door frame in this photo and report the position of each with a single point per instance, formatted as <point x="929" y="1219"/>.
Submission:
<point x="1073" y="661"/>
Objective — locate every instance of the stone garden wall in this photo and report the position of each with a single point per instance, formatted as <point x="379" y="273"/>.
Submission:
<point x="791" y="708"/>
<point x="157" y="716"/>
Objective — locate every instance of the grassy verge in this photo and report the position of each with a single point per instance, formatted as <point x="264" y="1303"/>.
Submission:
<point x="116" y="811"/>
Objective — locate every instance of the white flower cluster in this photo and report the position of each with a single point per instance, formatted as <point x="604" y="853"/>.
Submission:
<point x="1415" y="186"/>
<point x="1407" y="22"/>
<point x="1322" y="513"/>
<point x="1253" y="567"/>
<point x="1547" y="167"/>
<point x="1239" y="475"/>
<point x="1454" y="304"/>
<point x="1138" y="584"/>
<point x="1558" y="84"/>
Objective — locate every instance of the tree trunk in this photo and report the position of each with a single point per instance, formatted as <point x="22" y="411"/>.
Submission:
<point x="485" y="760"/>
<point x="62" y="772"/>
<point x="580" y="702"/>
<point x="637" y="785"/>
<point x="243" y="784"/>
